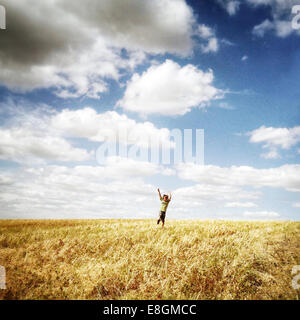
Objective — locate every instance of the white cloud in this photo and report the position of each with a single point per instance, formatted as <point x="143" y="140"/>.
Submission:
<point x="227" y="42"/>
<point x="114" y="190"/>
<point x="274" y="138"/>
<point x="73" y="73"/>
<point x="286" y="176"/>
<point x="231" y="6"/>
<point x="281" y="22"/>
<point x="282" y="28"/>
<point x="168" y="172"/>
<point x="87" y="123"/>
<point x="80" y="192"/>
<point x="26" y="145"/>
<point x="240" y="205"/>
<point x="262" y="28"/>
<point x="169" y="89"/>
<point x="204" y="200"/>
<point x="271" y="154"/>
<point x="282" y="137"/>
<point x="117" y="167"/>
<point x="212" y="46"/>
<point x="226" y="106"/>
<point x="205" y="32"/>
<point x="41" y="133"/>
<point x="208" y="192"/>
<point x="244" y="58"/>
<point x="79" y="46"/>
<point x="26" y="136"/>
<point x="261" y="214"/>
<point x="296" y="204"/>
<point x="208" y="34"/>
<point x="152" y="26"/>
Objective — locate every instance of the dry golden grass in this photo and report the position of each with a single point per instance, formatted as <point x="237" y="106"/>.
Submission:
<point x="136" y="259"/>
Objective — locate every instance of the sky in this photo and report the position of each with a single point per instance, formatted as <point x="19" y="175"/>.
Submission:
<point x="75" y="76"/>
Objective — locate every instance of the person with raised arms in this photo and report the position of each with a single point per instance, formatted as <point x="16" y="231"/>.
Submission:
<point x="165" y="200"/>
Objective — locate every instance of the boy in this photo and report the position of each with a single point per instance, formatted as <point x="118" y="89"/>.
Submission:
<point x="163" y="208"/>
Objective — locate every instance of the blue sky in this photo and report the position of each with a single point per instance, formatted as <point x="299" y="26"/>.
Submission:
<point x="73" y="80"/>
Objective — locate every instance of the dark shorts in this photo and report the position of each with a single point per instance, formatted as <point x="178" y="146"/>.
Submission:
<point x="162" y="216"/>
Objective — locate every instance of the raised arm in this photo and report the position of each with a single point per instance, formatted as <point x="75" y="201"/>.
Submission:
<point x="170" y="196"/>
<point x="159" y="193"/>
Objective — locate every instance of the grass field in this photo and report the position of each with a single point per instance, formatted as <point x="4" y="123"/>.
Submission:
<point x="135" y="259"/>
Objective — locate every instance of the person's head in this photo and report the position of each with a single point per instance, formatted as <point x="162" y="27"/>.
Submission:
<point x="165" y="197"/>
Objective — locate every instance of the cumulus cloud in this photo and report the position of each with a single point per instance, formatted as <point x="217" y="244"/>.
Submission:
<point x="231" y="6"/>
<point x="204" y="200"/>
<point x="261" y="214"/>
<point x="44" y="134"/>
<point x="205" y="32"/>
<point x="153" y="26"/>
<point x="169" y="89"/>
<point x="25" y="136"/>
<point x="74" y="47"/>
<point x="226" y="106"/>
<point x="271" y="154"/>
<point x="281" y="17"/>
<point x="208" y="35"/>
<point x="283" y="137"/>
<point x="274" y="138"/>
<point x="296" y="204"/>
<point x="281" y="22"/>
<point x="281" y="28"/>
<point x="79" y="192"/>
<point x="108" y="126"/>
<point x="25" y="145"/>
<point x="114" y="190"/>
<point x="212" y="45"/>
<point x="234" y="187"/>
<point x="117" y="168"/>
<point x="213" y="193"/>
<point x="286" y="176"/>
<point x="240" y="205"/>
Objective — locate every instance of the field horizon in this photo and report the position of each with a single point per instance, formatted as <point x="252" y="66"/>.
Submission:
<point x="136" y="259"/>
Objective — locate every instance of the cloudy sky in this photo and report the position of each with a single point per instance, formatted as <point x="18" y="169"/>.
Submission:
<point x="74" y="74"/>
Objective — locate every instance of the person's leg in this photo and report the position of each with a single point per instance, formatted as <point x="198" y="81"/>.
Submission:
<point x="159" y="218"/>
<point x="163" y="220"/>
